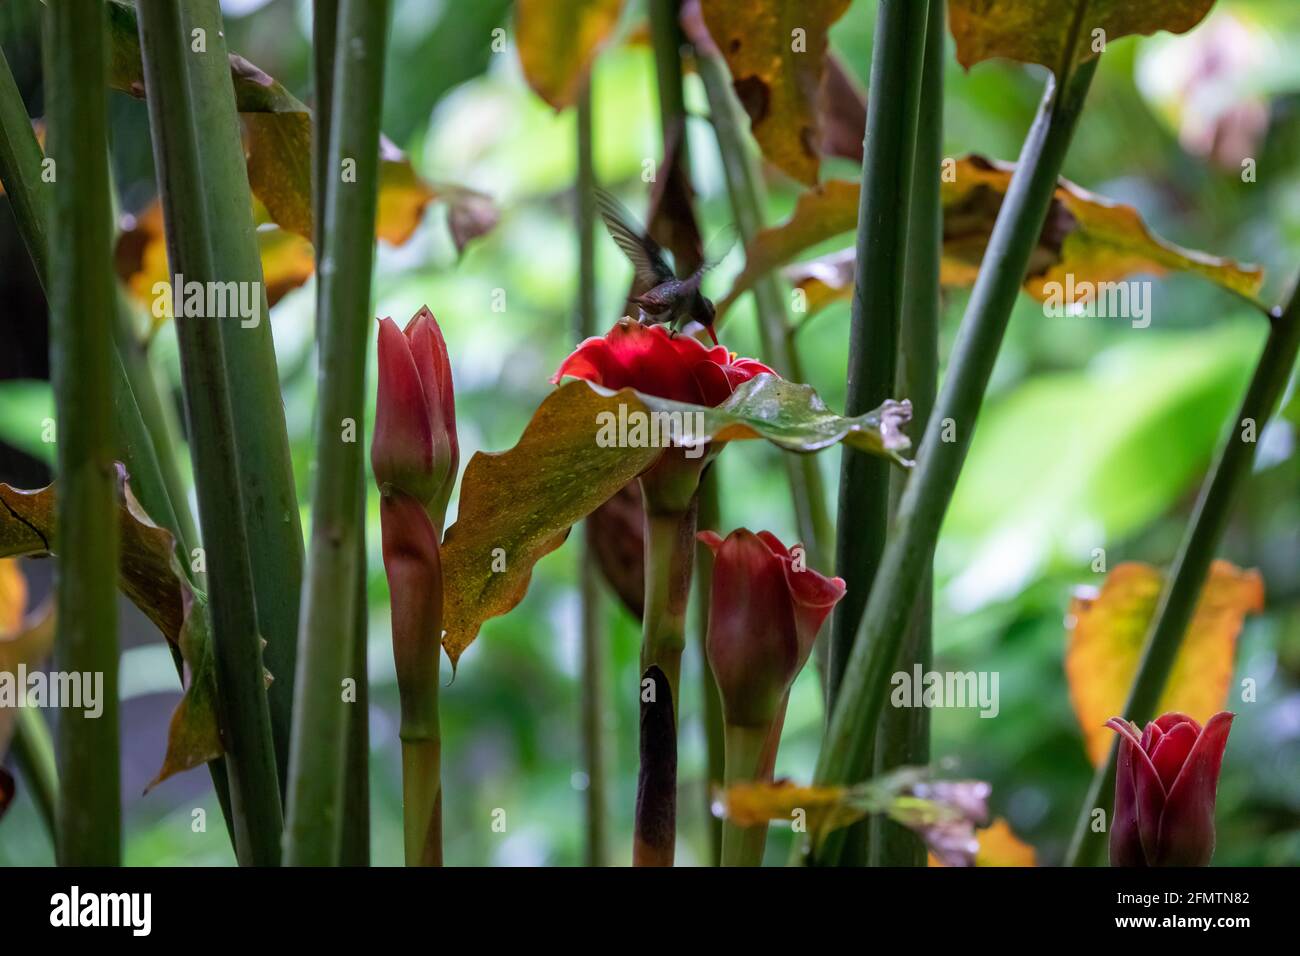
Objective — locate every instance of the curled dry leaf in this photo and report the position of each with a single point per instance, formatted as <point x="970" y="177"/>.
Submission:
<point x="151" y="576"/>
<point x="776" y="51"/>
<point x="558" y="41"/>
<point x="517" y="506"/>
<point x="1108" y="629"/>
<point x="1040" y="31"/>
<point x="1085" y="235"/>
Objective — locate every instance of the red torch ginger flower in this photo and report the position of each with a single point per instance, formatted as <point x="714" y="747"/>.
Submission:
<point x="648" y="359"/>
<point x="764" y="615"/>
<point x="1165" y="786"/>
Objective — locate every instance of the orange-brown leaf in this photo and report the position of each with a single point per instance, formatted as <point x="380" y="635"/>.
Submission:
<point x="1107" y="630"/>
<point x="558" y="40"/>
<point x="999" y="846"/>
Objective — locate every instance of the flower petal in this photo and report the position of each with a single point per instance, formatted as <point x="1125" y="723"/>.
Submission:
<point x="1187" y="825"/>
<point x="1171" y="751"/>
<point x="401" y="452"/>
<point x="1149" y="791"/>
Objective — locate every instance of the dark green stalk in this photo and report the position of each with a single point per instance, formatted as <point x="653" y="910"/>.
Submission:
<point x="744" y="187"/>
<point x="194" y="130"/>
<point x="145" y="442"/>
<point x="81" y="343"/>
<point x="903" y="736"/>
<point x="356" y="786"/>
<point x="710" y="518"/>
<point x="1229" y="476"/>
<point x="846" y="753"/>
<point x="593" y="639"/>
<point x="878" y="299"/>
<point x="314" y="829"/>
<point x="666" y="38"/>
<point x="34" y="753"/>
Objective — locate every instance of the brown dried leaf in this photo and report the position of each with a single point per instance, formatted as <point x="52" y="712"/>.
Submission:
<point x="558" y="41"/>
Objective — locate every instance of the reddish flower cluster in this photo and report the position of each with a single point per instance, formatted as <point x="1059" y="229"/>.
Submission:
<point x="653" y="362"/>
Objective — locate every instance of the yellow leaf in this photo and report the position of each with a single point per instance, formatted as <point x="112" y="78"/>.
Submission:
<point x="1107" y="631"/>
<point x="776" y="50"/>
<point x="999" y="846"/>
<point x="1038" y="31"/>
<point x="754" y="804"/>
<point x="558" y="40"/>
<point x="13" y="596"/>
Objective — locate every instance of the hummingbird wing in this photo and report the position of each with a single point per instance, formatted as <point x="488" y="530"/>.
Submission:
<point x="646" y="256"/>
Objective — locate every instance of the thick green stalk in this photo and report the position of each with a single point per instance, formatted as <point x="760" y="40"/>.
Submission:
<point x="878" y="300"/>
<point x="710" y="518"/>
<point x="669" y="495"/>
<point x="34" y="753"/>
<point x="314" y="829"/>
<point x="193" y="126"/>
<point x="903" y="736"/>
<point x="356" y="793"/>
<point x="744" y="187"/>
<point x="1178" y="600"/>
<point x="145" y="442"/>
<point x="81" y="352"/>
<point x="846" y="752"/>
<point x="743" y="846"/>
<point x="593" y="638"/>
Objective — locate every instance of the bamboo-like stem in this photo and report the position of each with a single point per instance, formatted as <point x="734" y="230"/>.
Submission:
<point x="593" y="637"/>
<point x="314" y="826"/>
<point x="34" y="753"/>
<point x="744" y="187"/>
<point x="669" y="495"/>
<point x="878" y="300"/>
<point x="846" y="752"/>
<point x="903" y="736"/>
<point x="81" y="329"/>
<point x="356" y="792"/>
<point x="1182" y="590"/>
<point x="192" y="121"/>
<point x="710" y="518"/>
<point x="145" y="442"/>
<point x="743" y="846"/>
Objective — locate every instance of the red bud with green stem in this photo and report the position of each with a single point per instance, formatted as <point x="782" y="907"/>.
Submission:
<point x="415" y="455"/>
<point x="677" y="367"/>
<point x="764" y="614"/>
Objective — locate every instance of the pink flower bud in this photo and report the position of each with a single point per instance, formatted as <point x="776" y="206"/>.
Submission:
<point x="764" y="615"/>
<point x="1165" y="785"/>
<point x="415" y="448"/>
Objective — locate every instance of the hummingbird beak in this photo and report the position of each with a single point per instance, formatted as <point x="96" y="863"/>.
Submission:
<point x="713" y="335"/>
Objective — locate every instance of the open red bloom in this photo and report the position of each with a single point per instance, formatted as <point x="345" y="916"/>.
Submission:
<point x="1165" y="785"/>
<point x="765" y="610"/>
<point x="648" y="359"/>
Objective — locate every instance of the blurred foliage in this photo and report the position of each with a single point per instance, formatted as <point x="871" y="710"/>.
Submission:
<point x="1096" y="434"/>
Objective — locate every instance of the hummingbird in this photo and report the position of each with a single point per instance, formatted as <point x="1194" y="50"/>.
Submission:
<point x="667" y="298"/>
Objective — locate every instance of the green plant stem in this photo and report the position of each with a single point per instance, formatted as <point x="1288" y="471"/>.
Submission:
<point x="710" y="517"/>
<point x="314" y="828"/>
<point x="192" y="122"/>
<point x="878" y="300"/>
<point x="846" y="752"/>
<point x="666" y="39"/>
<point x="145" y="436"/>
<point x="903" y="735"/>
<point x="669" y="496"/>
<point x="1182" y="591"/>
<point x="744" y="187"/>
<point x="593" y="638"/>
<point x="743" y="846"/>
<point x="34" y="753"/>
<point x="81" y="328"/>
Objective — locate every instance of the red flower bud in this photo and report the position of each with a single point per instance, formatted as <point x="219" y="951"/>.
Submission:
<point x="1165" y="785"/>
<point x="765" y="611"/>
<point x="648" y="359"/>
<point x="415" y="448"/>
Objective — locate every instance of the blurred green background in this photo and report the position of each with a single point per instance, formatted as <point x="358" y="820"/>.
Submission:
<point x="1095" y="434"/>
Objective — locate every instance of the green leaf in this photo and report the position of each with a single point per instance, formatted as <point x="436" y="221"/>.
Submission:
<point x="151" y="577"/>
<point x="517" y="506"/>
<point x="25" y="406"/>
<point x="1043" y="31"/>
